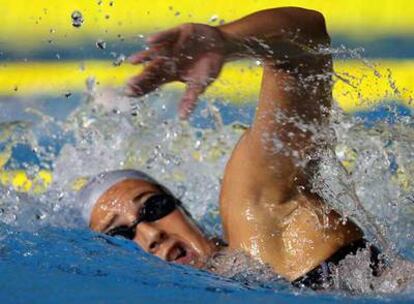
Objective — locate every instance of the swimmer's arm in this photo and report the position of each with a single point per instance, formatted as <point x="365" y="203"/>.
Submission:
<point x="273" y="34"/>
<point x="296" y="86"/>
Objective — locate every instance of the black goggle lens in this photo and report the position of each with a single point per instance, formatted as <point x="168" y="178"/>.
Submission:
<point x="154" y="208"/>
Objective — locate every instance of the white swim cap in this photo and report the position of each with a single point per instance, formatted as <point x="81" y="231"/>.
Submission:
<point x="98" y="185"/>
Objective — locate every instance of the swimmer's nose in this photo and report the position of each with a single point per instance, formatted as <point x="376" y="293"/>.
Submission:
<point x="152" y="237"/>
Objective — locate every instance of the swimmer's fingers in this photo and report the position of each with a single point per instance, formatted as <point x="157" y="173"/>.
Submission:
<point x="189" y="99"/>
<point x="146" y="55"/>
<point x="141" y="57"/>
<point x="202" y="74"/>
<point x="153" y="76"/>
<point x="164" y="37"/>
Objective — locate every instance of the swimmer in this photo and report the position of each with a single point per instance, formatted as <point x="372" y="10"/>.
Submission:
<point x="266" y="204"/>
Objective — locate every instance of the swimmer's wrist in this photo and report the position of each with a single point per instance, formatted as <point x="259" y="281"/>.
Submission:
<point x="234" y="47"/>
<point x="238" y="45"/>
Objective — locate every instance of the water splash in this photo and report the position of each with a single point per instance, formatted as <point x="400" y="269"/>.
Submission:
<point x="367" y="176"/>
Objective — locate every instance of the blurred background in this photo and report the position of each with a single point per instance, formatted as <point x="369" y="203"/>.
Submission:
<point x="51" y="51"/>
<point x="46" y="50"/>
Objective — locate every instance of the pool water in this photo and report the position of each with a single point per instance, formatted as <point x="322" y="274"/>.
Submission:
<point x="47" y="254"/>
<point x="67" y="266"/>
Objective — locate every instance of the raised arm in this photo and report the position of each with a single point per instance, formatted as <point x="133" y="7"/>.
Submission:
<point x="295" y="94"/>
<point x="296" y="84"/>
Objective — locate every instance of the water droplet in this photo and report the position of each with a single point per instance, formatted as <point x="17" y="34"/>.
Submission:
<point x="77" y="18"/>
<point x="119" y="60"/>
<point x="177" y="13"/>
<point x="120" y="37"/>
<point x="213" y="18"/>
<point x="100" y="44"/>
<point x="111" y="3"/>
<point x="90" y="84"/>
<point x="107" y="16"/>
<point x="41" y="216"/>
<point x="16" y="88"/>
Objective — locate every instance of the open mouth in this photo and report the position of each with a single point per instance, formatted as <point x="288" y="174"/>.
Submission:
<point x="182" y="252"/>
<point x="182" y="255"/>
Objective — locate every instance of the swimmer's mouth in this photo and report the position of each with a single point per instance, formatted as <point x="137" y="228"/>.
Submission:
<point x="182" y="255"/>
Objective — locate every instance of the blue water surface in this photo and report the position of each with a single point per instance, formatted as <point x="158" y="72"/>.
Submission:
<point x="56" y="265"/>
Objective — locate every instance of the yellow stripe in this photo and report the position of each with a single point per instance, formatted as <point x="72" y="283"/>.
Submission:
<point x="31" y="23"/>
<point x="360" y="86"/>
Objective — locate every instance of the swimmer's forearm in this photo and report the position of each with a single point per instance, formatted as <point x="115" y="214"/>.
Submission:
<point x="275" y="33"/>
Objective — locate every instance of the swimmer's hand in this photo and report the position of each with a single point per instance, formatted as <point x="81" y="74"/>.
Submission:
<point x="190" y="53"/>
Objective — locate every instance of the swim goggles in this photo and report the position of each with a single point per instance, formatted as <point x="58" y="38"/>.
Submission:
<point x="154" y="208"/>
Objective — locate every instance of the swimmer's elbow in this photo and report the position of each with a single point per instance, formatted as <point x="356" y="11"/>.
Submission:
<point x="311" y="23"/>
<point x="319" y="24"/>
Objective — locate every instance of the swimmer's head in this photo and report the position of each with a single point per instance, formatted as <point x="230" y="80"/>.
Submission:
<point x="133" y="205"/>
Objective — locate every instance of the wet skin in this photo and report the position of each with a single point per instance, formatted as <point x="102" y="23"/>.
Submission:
<point x="174" y="238"/>
<point x="266" y="204"/>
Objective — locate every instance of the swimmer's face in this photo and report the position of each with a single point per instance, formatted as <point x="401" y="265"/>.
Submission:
<point x="173" y="237"/>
